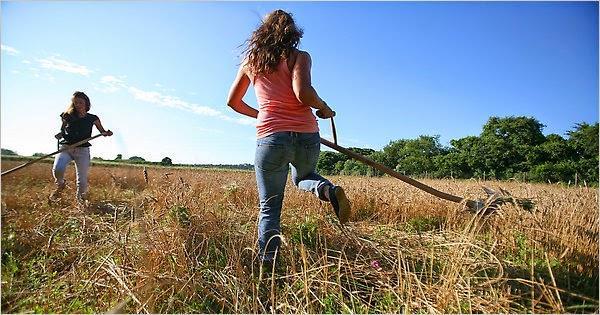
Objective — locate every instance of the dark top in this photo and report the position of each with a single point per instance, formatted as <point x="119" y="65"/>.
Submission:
<point x="77" y="128"/>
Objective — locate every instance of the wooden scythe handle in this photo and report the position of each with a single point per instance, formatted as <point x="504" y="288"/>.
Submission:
<point x="51" y="154"/>
<point x="395" y="174"/>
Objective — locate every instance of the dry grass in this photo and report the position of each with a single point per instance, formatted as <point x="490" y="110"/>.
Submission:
<point x="184" y="243"/>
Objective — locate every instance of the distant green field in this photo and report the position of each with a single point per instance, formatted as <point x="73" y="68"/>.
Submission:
<point x="25" y="159"/>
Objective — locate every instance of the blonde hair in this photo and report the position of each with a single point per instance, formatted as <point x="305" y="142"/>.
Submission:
<point x="70" y="111"/>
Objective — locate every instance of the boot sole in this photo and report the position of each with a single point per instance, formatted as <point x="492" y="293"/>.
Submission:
<point x="344" y="205"/>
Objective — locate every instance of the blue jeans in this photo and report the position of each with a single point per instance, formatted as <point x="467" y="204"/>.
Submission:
<point x="274" y="154"/>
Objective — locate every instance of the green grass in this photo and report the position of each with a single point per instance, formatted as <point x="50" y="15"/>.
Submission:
<point x="425" y="224"/>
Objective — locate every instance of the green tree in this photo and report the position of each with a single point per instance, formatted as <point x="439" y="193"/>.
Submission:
<point x="553" y="172"/>
<point x="507" y="142"/>
<point x="334" y="163"/>
<point x="353" y="167"/>
<point x="544" y="159"/>
<point x="339" y="167"/>
<point x="379" y="157"/>
<point x="8" y="152"/>
<point x="326" y="164"/>
<point x="414" y="157"/>
<point x="508" y="147"/>
<point x="137" y="159"/>
<point x="518" y="130"/>
<point x="119" y="157"/>
<point x="166" y="161"/>
<point x="467" y="158"/>
<point x="392" y="152"/>
<point x="584" y="141"/>
<point x="554" y="149"/>
<point x="451" y="165"/>
<point x="362" y="151"/>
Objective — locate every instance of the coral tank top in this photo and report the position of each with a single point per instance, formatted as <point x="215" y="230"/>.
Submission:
<point x="278" y="107"/>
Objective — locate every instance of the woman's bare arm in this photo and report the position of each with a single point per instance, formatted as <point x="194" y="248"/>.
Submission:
<point x="302" y="86"/>
<point x="236" y="94"/>
<point x="98" y="125"/>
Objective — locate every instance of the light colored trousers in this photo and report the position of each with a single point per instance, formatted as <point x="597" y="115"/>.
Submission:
<point x="81" y="156"/>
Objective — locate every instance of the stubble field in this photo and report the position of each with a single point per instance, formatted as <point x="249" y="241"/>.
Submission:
<point x="184" y="242"/>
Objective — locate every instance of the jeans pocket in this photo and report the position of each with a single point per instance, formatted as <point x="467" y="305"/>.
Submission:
<point x="271" y="158"/>
<point x="312" y="151"/>
<point x="271" y="153"/>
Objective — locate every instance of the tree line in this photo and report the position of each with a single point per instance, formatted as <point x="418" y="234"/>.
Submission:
<point x="507" y="148"/>
<point x="167" y="161"/>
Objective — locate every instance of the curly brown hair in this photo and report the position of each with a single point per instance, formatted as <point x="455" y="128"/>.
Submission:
<point x="277" y="37"/>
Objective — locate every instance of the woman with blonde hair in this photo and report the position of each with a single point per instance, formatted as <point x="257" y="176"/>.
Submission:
<point x="76" y="126"/>
<point x="287" y="130"/>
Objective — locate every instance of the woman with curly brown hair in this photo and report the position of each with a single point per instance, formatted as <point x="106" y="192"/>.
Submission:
<point x="287" y="129"/>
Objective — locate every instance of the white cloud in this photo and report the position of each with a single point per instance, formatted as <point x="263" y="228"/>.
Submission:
<point x="177" y="103"/>
<point x="171" y="101"/>
<point x="50" y="78"/>
<point x="63" y="65"/>
<point x="205" y="111"/>
<point x="111" y="84"/>
<point x="42" y="75"/>
<point x="9" y="50"/>
<point x="163" y="88"/>
<point x="25" y="61"/>
<point x="247" y="121"/>
<point x="150" y="97"/>
<point x="109" y="79"/>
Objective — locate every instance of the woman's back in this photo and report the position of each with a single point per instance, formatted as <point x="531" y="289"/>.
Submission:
<point x="279" y="108"/>
<point x="287" y="129"/>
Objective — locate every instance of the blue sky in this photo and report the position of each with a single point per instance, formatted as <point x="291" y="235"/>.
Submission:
<point x="158" y="73"/>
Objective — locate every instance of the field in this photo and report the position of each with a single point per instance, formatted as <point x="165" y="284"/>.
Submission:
<point x="184" y="242"/>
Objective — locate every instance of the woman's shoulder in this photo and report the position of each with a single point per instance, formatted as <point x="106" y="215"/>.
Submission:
<point x="92" y="117"/>
<point x="303" y="53"/>
<point x="303" y="58"/>
<point x="298" y="57"/>
<point x="66" y="116"/>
